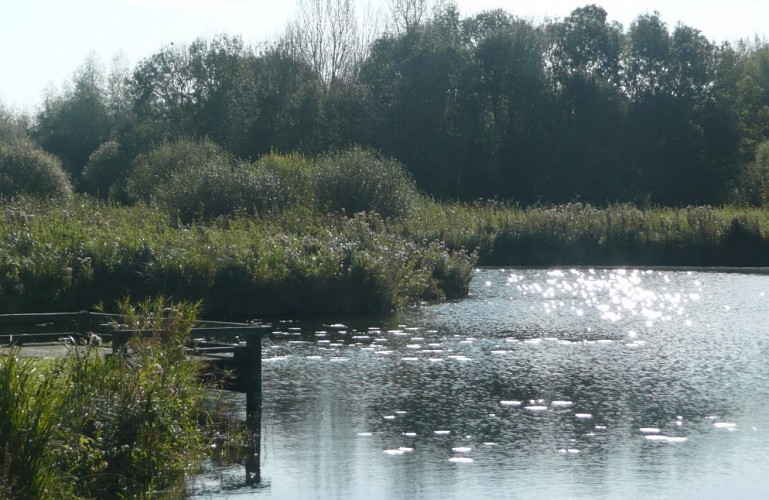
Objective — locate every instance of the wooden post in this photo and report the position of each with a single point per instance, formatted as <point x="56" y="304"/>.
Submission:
<point x="253" y="376"/>
<point x="249" y="366"/>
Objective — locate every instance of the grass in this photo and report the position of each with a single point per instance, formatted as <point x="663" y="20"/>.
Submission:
<point x="87" y="426"/>
<point x="68" y="257"/>
<point x="299" y="261"/>
<point x="580" y="234"/>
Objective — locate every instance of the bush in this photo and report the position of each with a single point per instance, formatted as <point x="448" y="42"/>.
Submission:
<point x="169" y="160"/>
<point x="28" y="170"/>
<point x="283" y="181"/>
<point x="206" y="191"/>
<point x="360" y="180"/>
<point x="209" y="190"/>
<point x="105" y="173"/>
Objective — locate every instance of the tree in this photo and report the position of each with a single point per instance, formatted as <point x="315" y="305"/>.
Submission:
<point x="585" y="46"/>
<point x="276" y="105"/>
<point x="186" y="90"/>
<point x="74" y="123"/>
<point x="583" y="60"/>
<point x="515" y="103"/>
<point x="648" y="57"/>
<point x="416" y="81"/>
<point x="406" y="15"/>
<point x="326" y="35"/>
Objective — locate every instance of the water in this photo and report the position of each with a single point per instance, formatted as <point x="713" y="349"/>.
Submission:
<point x="543" y="383"/>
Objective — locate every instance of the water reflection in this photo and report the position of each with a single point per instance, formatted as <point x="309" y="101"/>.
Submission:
<point x="560" y="383"/>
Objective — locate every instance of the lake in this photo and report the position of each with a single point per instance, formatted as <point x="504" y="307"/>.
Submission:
<point x="545" y="383"/>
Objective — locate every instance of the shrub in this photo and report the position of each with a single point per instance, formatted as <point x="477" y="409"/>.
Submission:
<point x="209" y="190"/>
<point x="360" y="180"/>
<point x="28" y="170"/>
<point x="283" y="181"/>
<point x="170" y="159"/>
<point x="32" y="408"/>
<point x="86" y="426"/>
<point x="105" y="173"/>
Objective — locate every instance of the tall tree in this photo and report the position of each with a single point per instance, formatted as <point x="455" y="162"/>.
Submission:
<point x="329" y="36"/>
<point x="515" y="103"/>
<point x="73" y="123"/>
<point x="583" y="58"/>
<point x="416" y="85"/>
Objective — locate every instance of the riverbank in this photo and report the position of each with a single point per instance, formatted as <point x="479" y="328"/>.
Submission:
<point x="299" y="262"/>
<point x="579" y="234"/>
<point x="70" y="257"/>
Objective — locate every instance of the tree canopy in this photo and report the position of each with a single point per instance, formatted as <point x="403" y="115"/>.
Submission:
<point x="490" y="106"/>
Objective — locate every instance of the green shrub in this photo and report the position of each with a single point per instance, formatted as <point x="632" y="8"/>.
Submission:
<point x="86" y="426"/>
<point x="169" y="160"/>
<point x="360" y="180"/>
<point x="209" y="190"/>
<point x="105" y="173"/>
<point x="26" y="169"/>
<point x="283" y="181"/>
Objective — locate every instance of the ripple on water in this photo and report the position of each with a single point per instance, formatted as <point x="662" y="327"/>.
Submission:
<point x="659" y="438"/>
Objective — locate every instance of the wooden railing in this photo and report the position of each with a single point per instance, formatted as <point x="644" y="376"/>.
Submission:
<point x="229" y="344"/>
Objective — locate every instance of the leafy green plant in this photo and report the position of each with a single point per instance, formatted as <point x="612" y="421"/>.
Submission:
<point x="28" y="170"/>
<point x="105" y="173"/>
<point x="360" y="180"/>
<point x="123" y="426"/>
<point x="158" y="166"/>
<point x="32" y="411"/>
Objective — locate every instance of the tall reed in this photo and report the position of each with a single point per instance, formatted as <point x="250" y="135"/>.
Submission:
<point x="87" y="426"/>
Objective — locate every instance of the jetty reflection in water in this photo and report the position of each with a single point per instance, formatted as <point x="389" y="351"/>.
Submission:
<point x="554" y="383"/>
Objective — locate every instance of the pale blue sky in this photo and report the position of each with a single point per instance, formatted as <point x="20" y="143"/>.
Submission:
<point x="42" y="42"/>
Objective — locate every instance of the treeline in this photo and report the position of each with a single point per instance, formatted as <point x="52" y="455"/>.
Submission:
<point x="492" y="105"/>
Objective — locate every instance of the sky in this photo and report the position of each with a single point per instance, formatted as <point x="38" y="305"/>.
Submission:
<point x="43" y="42"/>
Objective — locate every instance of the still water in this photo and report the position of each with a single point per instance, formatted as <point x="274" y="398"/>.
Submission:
<point x="570" y="383"/>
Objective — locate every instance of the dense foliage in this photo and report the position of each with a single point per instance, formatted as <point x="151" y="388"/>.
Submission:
<point x="491" y="105"/>
<point x="86" y="426"/>
<point x="25" y="169"/>
<point x="68" y="257"/>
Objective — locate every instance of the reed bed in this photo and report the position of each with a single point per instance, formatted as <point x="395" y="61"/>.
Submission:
<point x="581" y="234"/>
<point x="69" y="257"/>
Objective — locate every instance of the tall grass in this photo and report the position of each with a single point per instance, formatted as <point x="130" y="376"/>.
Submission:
<point x="67" y="257"/>
<point x="88" y="426"/>
<point x="32" y="408"/>
<point x="581" y="234"/>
